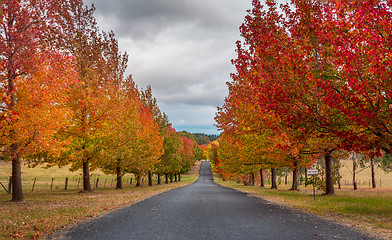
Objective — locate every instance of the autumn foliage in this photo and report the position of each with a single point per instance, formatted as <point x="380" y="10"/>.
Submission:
<point x="312" y="77"/>
<point x="66" y="99"/>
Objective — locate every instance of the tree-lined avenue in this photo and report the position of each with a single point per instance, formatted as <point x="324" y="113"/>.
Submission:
<point x="206" y="210"/>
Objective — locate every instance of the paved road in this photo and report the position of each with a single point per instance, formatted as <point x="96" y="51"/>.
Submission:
<point x="205" y="210"/>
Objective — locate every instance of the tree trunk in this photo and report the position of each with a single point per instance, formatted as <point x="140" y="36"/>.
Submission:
<point x="373" y="175"/>
<point x="175" y="177"/>
<point x="261" y="178"/>
<point x="166" y="178"/>
<point x="306" y="176"/>
<point x="252" y="179"/>
<point x="86" y="176"/>
<point x="119" y="178"/>
<point x="17" y="191"/>
<point x="285" y="179"/>
<point x="171" y="178"/>
<point x="179" y="177"/>
<point x="138" y="180"/>
<point x="273" y="179"/>
<point x="354" y="172"/>
<point x="159" y="179"/>
<point x="149" y="179"/>
<point x="329" y="190"/>
<point x="294" y="186"/>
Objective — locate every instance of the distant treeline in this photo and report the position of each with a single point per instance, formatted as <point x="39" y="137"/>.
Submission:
<point x="203" y="138"/>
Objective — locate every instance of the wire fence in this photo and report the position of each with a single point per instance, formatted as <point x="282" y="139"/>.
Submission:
<point x="34" y="184"/>
<point x="383" y="180"/>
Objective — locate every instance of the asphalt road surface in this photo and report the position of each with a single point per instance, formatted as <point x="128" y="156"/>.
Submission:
<point x="205" y="210"/>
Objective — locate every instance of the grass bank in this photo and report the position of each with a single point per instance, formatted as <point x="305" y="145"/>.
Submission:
<point x="45" y="212"/>
<point x="367" y="210"/>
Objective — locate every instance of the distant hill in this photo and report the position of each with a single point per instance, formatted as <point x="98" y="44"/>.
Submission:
<point x="203" y="138"/>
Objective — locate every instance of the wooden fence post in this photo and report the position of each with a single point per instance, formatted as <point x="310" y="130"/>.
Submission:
<point x="32" y="189"/>
<point x="10" y="185"/>
<point x="51" y="185"/>
<point x="66" y="184"/>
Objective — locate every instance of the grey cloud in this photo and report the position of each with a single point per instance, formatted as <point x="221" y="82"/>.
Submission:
<point x="180" y="73"/>
<point x="195" y="95"/>
<point x="182" y="48"/>
<point x="143" y="18"/>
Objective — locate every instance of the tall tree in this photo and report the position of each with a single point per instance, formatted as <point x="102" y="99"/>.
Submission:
<point x="171" y="159"/>
<point x="359" y="40"/>
<point x="277" y="68"/>
<point x="151" y="104"/>
<point x="99" y="69"/>
<point x="27" y="64"/>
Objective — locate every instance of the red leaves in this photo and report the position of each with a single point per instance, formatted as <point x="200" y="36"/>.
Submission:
<point x="319" y="73"/>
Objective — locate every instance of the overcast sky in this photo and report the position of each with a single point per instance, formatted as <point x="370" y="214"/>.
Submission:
<point x="182" y="48"/>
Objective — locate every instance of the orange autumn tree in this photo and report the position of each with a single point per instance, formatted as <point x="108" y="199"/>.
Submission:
<point x="148" y="147"/>
<point x="228" y="164"/>
<point x="99" y="67"/>
<point x="133" y="144"/>
<point x="161" y="119"/>
<point x="26" y="65"/>
<point x="41" y="109"/>
<point x="129" y="139"/>
<point x="187" y="152"/>
<point x="118" y="133"/>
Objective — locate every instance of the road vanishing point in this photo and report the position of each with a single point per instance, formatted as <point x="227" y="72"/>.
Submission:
<point x="206" y="210"/>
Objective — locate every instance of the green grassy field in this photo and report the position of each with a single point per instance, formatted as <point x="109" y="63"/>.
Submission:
<point x="367" y="210"/>
<point x="46" y="211"/>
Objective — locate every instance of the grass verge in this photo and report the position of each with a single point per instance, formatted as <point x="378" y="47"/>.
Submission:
<point x="369" y="211"/>
<point x="45" y="212"/>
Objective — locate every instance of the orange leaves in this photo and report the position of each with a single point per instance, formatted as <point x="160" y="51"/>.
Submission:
<point x="41" y="103"/>
<point x="131" y="136"/>
<point x="64" y="95"/>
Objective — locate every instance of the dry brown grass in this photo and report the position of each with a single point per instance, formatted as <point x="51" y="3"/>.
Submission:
<point x="43" y="178"/>
<point x="364" y="177"/>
